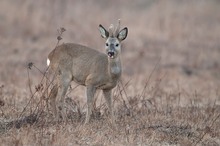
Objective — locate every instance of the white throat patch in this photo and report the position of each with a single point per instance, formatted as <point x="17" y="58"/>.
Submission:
<point x="115" y="70"/>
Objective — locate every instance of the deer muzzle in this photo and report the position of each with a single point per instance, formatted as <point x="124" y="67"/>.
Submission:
<point x="111" y="54"/>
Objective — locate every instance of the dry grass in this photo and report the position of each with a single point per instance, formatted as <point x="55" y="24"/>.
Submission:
<point x="169" y="94"/>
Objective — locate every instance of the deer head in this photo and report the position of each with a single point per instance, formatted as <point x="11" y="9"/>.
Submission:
<point x="113" y="39"/>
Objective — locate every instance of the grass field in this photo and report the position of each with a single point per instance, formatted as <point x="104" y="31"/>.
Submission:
<point x="170" y="89"/>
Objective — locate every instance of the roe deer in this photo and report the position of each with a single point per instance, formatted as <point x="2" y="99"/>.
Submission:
<point x="88" y="67"/>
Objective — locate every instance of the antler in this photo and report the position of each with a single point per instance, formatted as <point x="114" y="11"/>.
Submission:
<point x="117" y="28"/>
<point x="113" y="33"/>
<point x="111" y="29"/>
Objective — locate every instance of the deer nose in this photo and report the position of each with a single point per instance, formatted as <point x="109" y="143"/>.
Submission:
<point x="111" y="54"/>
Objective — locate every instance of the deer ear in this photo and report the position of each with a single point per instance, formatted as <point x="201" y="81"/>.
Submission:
<point x="122" y="34"/>
<point x="104" y="33"/>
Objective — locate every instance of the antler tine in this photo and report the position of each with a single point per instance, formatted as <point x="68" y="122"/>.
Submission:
<point x="118" y="27"/>
<point x="111" y="29"/>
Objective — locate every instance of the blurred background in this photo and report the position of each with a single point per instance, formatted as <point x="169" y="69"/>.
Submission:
<point x="177" y="41"/>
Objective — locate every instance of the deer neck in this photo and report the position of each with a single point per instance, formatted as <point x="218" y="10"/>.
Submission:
<point x="114" y="67"/>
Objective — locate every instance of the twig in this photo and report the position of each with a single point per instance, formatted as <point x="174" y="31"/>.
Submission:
<point x="148" y="79"/>
<point x="38" y="110"/>
<point x="29" y="82"/>
<point x="127" y="104"/>
<point x="124" y="88"/>
<point x="59" y="37"/>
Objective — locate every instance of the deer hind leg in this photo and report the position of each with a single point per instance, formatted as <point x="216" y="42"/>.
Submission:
<point x="90" y="92"/>
<point x="64" y="80"/>
<point x="52" y="99"/>
<point x="108" y="97"/>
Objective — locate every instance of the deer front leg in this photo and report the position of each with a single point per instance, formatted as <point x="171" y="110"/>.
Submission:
<point x="108" y="97"/>
<point x="90" y="92"/>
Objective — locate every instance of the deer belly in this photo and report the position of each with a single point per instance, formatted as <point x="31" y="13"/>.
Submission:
<point x="108" y="85"/>
<point x="79" y="81"/>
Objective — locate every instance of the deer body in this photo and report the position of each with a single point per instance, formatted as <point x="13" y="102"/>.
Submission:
<point x="88" y="67"/>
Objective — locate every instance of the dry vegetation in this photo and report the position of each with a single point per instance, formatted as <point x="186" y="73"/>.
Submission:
<point x="170" y="89"/>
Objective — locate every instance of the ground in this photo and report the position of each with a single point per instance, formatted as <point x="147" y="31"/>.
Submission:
<point x="169" y="93"/>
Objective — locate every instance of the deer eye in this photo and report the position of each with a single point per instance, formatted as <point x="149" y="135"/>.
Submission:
<point x="106" y="44"/>
<point x="117" y="45"/>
